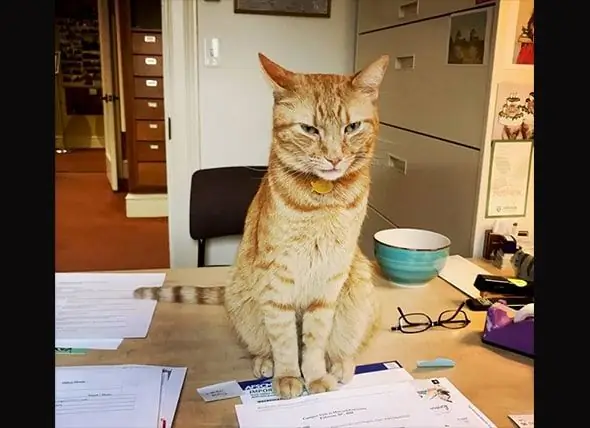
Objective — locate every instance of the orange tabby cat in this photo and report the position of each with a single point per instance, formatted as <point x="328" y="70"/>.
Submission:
<point x="300" y="282"/>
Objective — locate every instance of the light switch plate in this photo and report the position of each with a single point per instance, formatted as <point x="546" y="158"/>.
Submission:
<point x="211" y="52"/>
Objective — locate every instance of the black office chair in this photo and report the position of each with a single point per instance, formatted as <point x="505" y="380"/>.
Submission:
<point x="219" y="201"/>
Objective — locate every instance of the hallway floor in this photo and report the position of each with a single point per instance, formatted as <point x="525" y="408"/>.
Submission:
<point x="91" y="230"/>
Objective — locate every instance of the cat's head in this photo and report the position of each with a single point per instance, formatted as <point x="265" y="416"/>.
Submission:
<point x="325" y="124"/>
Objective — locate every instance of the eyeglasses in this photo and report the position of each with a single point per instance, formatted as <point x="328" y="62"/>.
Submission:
<point x="418" y="322"/>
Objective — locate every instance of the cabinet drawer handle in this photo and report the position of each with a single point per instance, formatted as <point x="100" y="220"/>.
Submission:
<point x="152" y="104"/>
<point x="149" y="39"/>
<point x="154" y="147"/>
<point x="151" y="61"/>
<point x="151" y="83"/>
<point x="153" y="126"/>
<point x="408" y="10"/>
<point x="406" y="62"/>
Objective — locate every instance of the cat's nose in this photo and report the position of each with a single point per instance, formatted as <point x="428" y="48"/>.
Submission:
<point x="334" y="161"/>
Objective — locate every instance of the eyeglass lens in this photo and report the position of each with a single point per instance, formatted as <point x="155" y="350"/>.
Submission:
<point x="453" y="319"/>
<point x="414" y="323"/>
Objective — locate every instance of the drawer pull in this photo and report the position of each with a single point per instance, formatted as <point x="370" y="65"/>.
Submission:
<point x="408" y="10"/>
<point x="151" y="61"/>
<point x="405" y="62"/>
<point x="152" y="104"/>
<point x="154" y="147"/>
<point x="151" y="83"/>
<point x="149" y="39"/>
<point x="153" y="126"/>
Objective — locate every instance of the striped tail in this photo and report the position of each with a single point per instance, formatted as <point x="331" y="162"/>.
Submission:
<point x="213" y="295"/>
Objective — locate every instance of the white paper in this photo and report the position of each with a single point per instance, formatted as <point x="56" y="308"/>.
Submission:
<point x="509" y="178"/>
<point x="220" y="391"/>
<point x="109" y="397"/>
<point x="103" y="285"/>
<point x="170" y="393"/>
<point x="461" y="274"/>
<point x="392" y="406"/>
<point x="101" y="306"/>
<point x="448" y="405"/>
<point x="523" y="421"/>
<point x="105" y="344"/>
<point x="264" y="392"/>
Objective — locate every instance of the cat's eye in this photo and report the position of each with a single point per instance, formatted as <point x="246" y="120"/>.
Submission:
<point x="308" y="129"/>
<point x="351" y="127"/>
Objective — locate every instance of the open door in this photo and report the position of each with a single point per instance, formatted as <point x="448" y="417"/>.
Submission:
<point x="109" y="97"/>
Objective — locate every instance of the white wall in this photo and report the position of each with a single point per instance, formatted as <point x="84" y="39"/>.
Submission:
<point x="503" y="71"/>
<point x="235" y="102"/>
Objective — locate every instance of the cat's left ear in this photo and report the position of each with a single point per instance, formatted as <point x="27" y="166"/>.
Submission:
<point x="281" y="79"/>
<point x="369" y="78"/>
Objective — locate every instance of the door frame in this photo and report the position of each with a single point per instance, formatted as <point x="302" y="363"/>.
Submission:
<point x="180" y="45"/>
<point x="109" y="69"/>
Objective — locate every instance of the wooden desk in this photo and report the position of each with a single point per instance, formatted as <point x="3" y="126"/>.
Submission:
<point x="199" y="337"/>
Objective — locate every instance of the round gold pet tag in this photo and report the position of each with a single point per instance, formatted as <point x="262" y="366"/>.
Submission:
<point x="322" y="186"/>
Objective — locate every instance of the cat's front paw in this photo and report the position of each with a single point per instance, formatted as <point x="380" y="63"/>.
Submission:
<point x="262" y="367"/>
<point x="324" y="384"/>
<point x="287" y="387"/>
<point x="343" y="370"/>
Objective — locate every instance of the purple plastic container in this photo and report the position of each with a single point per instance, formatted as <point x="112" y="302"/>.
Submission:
<point x="501" y="331"/>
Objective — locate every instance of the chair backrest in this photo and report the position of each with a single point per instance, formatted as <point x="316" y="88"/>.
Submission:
<point x="219" y="201"/>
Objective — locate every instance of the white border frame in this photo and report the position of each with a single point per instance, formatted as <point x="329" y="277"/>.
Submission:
<point x="181" y="104"/>
<point x="487" y="45"/>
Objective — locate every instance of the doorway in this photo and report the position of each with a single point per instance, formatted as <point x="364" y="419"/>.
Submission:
<point x="79" y="116"/>
<point x="93" y="231"/>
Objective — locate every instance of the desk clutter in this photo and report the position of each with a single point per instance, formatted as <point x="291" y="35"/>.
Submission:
<point x="97" y="311"/>
<point x="509" y="303"/>
<point x="113" y="396"/>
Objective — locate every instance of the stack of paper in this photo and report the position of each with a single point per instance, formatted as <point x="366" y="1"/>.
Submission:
<point x="97" y="310"/>
<point x="433" y="403"/>
<point x="379" y="395"/>
<point x="130" y="396"/>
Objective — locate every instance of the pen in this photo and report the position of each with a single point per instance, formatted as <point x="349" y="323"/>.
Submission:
<point x="163" y="422"/>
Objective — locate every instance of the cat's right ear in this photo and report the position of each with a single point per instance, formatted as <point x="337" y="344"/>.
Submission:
<point x="280" y="78"/>
<point x="369" y="78"/>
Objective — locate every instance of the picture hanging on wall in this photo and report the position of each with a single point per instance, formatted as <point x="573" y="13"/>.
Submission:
<point x="303" y="8"/>
<point x="514" y="115"/>
<point x="509" y="176"/>
<point x="468" y="38"/>
<point x="524" y="50"/>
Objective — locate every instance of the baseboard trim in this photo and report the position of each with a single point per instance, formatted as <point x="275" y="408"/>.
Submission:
<point x="146" y="205"/>
<point x="95" y="142"/>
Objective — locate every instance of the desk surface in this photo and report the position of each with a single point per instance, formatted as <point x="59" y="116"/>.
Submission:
<point x="198" y="337"/>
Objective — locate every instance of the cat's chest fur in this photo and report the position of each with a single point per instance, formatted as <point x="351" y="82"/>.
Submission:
<point x="319" y="247"/>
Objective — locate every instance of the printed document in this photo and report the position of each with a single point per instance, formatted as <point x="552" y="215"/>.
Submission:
<point x="101" y="306"/>
<point x="451" y="408"/>
<point x="107" y="397"/>
<point x="393" y="406"/>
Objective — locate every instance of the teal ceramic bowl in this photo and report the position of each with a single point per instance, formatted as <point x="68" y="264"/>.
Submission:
<point x="411" y="257"/>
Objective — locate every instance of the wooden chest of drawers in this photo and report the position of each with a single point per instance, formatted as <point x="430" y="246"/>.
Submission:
<point x="146" y="121"/>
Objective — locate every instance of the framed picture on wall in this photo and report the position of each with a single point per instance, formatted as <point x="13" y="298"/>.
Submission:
<point x="509" y="177"/>
<point x="302" y="8"/>
<point x="524" y="46"/>
<point x="469" y="34"/>
<point x="514" y="115"/>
